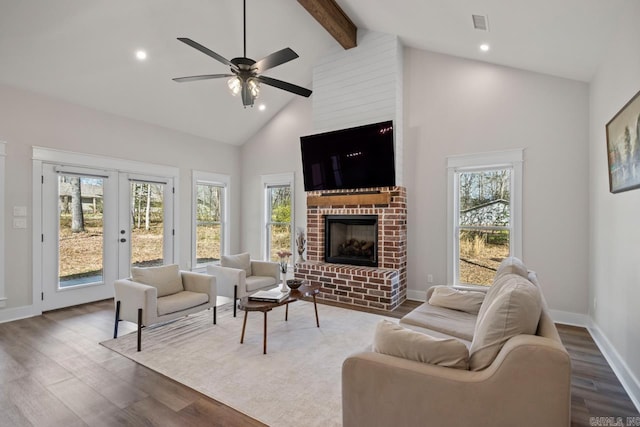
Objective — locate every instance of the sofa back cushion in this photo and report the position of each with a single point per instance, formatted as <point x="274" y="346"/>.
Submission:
<point x="448" y="297"/>
<point x="165" y="278"/>
<point x="394" y="340"/>
<point x="511" y="309"/>
<point x="511" y="265"/>
<point x="241" y="261"/>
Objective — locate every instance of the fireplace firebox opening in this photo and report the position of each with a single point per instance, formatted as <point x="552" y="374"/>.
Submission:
<point x="351" y="239"/>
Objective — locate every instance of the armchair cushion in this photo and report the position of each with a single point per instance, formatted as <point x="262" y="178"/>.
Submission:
<point x="180" y="301"/>
<point x="165" y="278"/>
<point x="258" y="282"/>
<point x="512" y="309"/>
<point x="448" y="297"/>
<point x="395" y="340"/>
<point x="242" y="261"/>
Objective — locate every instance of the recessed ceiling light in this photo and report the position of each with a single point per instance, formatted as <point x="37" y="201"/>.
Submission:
<point x="262" y="107"/>
<point x="141" y="55"/>
<point x="484" y="47"/>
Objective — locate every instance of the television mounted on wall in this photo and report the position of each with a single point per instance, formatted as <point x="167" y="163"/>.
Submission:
<point x="349" y="159"/>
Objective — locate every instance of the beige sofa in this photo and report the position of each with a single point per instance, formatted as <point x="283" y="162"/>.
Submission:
<point x="526" y="383"/>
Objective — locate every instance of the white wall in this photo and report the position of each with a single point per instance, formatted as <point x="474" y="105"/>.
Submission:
<point x="457" y="106"/>
<point x="275" y="149"/>
<point x="27" y="120"/>
<point x="614" y="278"/>
<point x="361" y="85"/>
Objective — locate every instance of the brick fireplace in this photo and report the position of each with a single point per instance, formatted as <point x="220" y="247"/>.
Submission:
<point x="382" y="287"/>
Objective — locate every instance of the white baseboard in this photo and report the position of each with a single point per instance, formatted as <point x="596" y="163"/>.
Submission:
<point x="569" y="318"/>
<point x="620" y="368"/>
<point x="416" y="295"/>
<point x="17" y="313"/>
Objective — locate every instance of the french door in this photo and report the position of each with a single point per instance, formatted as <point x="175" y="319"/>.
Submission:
<point x="96" y="224"/>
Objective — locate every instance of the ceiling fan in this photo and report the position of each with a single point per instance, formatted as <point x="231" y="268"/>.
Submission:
<point x="246" y="73"/>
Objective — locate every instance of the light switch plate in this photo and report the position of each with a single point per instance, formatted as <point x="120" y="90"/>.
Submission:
<point x="19" y="222"/>
<point x="19" y="211"/>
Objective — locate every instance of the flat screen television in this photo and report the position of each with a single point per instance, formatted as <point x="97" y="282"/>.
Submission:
<point x="359" y="157"/>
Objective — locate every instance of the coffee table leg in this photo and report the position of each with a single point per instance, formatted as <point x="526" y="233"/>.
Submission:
<point x="264" y="339"/>
<point x="315" y="307"/>
<point x="286" y="313"/>
<point x="244" y="325"/>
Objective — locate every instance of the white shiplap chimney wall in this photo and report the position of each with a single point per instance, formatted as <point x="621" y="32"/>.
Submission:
<point x="360" y="86"/>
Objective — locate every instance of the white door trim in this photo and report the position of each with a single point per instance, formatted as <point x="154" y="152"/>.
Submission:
<point x="42" y="155"/>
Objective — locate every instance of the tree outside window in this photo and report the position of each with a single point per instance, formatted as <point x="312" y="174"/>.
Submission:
<point x="484" y="225"/>
<point x="279" y="222"/>
<point x="209" y="222"/>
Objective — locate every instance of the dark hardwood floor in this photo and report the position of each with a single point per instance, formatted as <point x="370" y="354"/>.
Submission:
<point x="54" y="372"/>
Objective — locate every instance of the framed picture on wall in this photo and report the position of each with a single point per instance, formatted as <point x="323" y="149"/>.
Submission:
<point x="623" y="147"/>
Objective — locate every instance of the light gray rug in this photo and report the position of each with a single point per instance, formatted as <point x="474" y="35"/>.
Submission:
<point x="297" y="383"/>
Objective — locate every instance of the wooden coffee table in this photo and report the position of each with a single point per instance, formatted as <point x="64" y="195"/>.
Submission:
<point x="265" y="307"/>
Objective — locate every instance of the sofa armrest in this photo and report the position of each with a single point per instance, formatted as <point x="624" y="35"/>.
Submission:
<point x="132" y="296"/>
<point x="266" y="268"/>
<point x="227" y="278"/>
<point x="198" y="282"/>
<point x="529" y="383"/>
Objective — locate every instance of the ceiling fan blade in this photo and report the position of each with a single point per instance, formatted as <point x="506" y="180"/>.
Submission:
<point x="276" y="58"/>
<point x="289" y="87"/>
<point x="202" y="77"/>
<point x="208" y="52"/>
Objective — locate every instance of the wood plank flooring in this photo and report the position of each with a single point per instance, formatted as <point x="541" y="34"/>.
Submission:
<point x="53" y="372"/>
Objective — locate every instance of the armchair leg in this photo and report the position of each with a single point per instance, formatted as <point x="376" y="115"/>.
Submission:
<point x="235" y="299"/>
<point x="115" y="327"/>
<point x="139" y="329"/>
<point x="214" y="314"/>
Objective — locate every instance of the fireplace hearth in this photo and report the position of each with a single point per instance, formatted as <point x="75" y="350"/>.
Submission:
<point x="380" y="285"/>
<point x="351" y="240"/>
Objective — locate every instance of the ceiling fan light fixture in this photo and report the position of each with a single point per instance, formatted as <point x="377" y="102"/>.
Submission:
<point x="235" y="85"/>
<point x="254" y="87"/>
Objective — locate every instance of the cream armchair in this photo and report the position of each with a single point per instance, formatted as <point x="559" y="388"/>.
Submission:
<point x="158" y="294"/>
<point x="238" y="276"/>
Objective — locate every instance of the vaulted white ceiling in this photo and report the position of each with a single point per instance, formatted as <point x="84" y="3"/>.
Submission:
<point x="84" y="51"/>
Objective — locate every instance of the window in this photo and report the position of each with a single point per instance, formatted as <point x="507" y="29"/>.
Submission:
<point x="484" y="215"/>
<point x="278" y="219"/>
<point x="210" y="231"/>
<point x="2" y="270"/>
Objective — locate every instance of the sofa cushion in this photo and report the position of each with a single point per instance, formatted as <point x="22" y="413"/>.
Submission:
<point x="254" y="283"/>
<point x="513" y="309"/>
<point x="511" y="265"/>
<point x="448" y="297"/>
<point x="394" y="340"/>
<point x="180" y="301"/>
<point x="165" y="278"/>
<point x="451" y="322"/>
<point x="241" y="261"/>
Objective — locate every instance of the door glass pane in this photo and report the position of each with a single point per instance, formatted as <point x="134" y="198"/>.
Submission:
<point x="208" y="222"/>
<point x="81" y="230"/>
<point x="147" y="223"/>
<point x="279" y="229"/>
<point x="484" y="220"/>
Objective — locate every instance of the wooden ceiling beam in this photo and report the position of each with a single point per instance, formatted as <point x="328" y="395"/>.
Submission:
<point x="331" y="16"/>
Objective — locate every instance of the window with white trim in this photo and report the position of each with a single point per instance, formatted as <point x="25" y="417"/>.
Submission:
<point x="278" y="217"/>
<point x="485" y="205"/>
<point x="2" y="239"/>
<point x="210" y="218"/>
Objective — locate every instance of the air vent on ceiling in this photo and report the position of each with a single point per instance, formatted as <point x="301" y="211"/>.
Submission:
<point x="480" y="22"/>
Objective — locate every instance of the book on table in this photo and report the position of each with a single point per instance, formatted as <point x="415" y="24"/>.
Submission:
<point x="271" y="295"/>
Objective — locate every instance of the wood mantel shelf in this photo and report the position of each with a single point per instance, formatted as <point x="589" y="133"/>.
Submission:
<point x="350" y="199"/>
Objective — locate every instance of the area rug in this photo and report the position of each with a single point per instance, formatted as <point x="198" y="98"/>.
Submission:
<point x="298" y="381"/>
